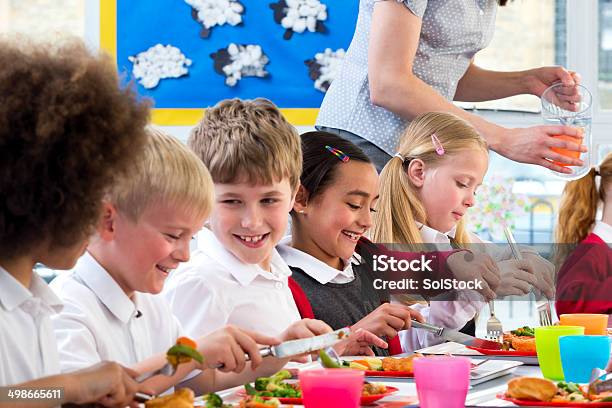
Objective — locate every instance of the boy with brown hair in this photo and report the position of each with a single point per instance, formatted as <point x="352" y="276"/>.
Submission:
<point x="236" y="276"/>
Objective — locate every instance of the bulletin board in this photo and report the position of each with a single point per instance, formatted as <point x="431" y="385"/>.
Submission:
<point x="129" y="27"/>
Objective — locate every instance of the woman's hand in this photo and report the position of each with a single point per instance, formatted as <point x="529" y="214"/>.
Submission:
<point x="533" y="145"/>
<point x="538" y="80"/>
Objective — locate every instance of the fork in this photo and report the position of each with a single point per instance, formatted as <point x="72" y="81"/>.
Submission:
<point x="495" y="331"/>
<point x="545" y="314"/>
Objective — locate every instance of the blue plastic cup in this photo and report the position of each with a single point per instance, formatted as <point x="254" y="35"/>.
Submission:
<point x="580" y="354"/>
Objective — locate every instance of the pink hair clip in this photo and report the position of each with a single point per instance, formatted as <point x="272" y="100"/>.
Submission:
<point x="437" y="144"/>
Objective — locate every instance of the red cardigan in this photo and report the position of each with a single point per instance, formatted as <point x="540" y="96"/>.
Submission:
<point x="584" y="282"/>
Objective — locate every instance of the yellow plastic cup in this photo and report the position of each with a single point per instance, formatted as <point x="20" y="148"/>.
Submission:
<point x="547" y="346"/>
<point x="592" y="323"/>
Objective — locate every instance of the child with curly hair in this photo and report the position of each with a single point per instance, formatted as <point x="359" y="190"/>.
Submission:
<point x="66" y="130"/>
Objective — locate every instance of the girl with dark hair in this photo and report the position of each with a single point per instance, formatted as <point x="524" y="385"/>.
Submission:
<point x="332" y="212"/>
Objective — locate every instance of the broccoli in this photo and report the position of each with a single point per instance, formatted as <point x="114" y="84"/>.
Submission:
<point x="280" y="376"/>
<point x="212" y="400"/>
<point x="261" y="384"/>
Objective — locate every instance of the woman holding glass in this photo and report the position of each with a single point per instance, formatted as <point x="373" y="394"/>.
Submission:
<point x="408" y="57"/>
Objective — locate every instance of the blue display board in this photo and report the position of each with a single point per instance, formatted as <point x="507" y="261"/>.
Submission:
<point x="142" y="24"/>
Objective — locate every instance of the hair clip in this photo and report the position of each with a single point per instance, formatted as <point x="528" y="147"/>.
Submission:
<point x="398" y="154"/>
<point x="596" y="168"/>
<point x="337" y="152"/>
<point x="437" y="144"/>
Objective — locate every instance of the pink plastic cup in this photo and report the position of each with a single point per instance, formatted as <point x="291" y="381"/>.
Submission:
<point x="331" y="387"/>
<point x="442" y="382"/>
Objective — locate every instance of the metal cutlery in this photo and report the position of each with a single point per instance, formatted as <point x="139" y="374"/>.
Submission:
<point x="457" y="337"/>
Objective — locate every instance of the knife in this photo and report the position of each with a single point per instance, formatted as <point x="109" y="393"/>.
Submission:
<point x="457" y="337"/>
<point x="302" y="346"/>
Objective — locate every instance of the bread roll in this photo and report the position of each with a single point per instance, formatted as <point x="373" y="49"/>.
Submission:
<point x="531" y="388"/>
<point x="182" y="398"/>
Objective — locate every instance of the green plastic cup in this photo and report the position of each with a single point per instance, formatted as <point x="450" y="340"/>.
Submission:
<point x="547" y="345"/>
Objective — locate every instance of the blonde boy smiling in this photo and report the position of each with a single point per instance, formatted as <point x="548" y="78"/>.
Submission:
<point x="112" y="311"/>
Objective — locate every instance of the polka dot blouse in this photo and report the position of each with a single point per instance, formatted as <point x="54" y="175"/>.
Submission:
<point x="452" y="32"/>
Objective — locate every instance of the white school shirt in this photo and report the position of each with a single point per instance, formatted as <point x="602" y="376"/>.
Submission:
<point x="449" y="314"/>
<point x="215" y="289"/>
<point x="316" y="269"/>
<point x="27" y="346"/>
<point x="99" y="321"/>
<point x="603" y="231"/>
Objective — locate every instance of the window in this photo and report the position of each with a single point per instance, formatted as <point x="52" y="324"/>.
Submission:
<point x="605" y="54"/>
<point x="528" y="34"/>
<point x="42" y="18"/>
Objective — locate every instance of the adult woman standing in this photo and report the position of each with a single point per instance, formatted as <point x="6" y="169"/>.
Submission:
<point x="409" y="57"/>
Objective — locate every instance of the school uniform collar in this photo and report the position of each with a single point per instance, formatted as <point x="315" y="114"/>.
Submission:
<point x="244" y="273"/>
<point x="433" y="236"/>
<point x="603" y="230"/>
<point x="13" y="294"/>
<point x="313" y="267"/>
<point x="102" y="284"/>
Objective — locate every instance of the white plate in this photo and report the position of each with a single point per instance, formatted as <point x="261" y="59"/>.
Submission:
<point x="460" y="350"/>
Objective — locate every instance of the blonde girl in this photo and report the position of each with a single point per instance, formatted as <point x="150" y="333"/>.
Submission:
<point x="584" y="282"/>
<point x="426" y="189"/>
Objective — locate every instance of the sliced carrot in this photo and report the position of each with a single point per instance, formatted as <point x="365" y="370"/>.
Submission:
<point x="186" y="341"/>
<point x="363" y="363"/>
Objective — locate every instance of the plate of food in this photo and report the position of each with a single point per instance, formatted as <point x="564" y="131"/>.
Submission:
<point x="287" y="391"/>
<point x="519" y="342"/>
<point x="397" y="367"/>
<point x="540" y="392"/>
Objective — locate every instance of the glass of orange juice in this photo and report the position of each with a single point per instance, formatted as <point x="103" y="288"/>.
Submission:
<point x="559" y="109"/>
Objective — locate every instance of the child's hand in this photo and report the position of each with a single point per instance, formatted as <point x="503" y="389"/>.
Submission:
<point x="359" y="343"/>
<point x="305" y="328"/>
<point x="517" y="278"/>
<point x="467" y="265"/>
<point x="227" y="347"/>
<point x="108" y="384"/>
<point x="544" y="272"/>
<point x="388" y="319"/>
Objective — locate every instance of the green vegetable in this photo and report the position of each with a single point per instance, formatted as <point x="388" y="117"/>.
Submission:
<point x="327" y="361"/>
<point x="212" y="400"/>
<point x="181" y="349"/>
<point x="607" y="399"/>
<point x="250" y="390"/>
<point x="570" y="387"/>
<point x="524" y="331"/>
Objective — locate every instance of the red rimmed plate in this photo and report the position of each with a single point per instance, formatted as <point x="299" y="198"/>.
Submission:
<point x="365" y="400"/>
<point x="515" y="353"/>
<point x="529" y="403"/>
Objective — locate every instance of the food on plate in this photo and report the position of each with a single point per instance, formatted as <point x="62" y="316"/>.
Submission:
<point x="531" y="388"/>
<point x="540" y="389"/>
<point x="182" y="398"/>
<point x="212" y="400"/>
<point x="371" y="363"/>
<point x="253" y="401"/>
<point x="276" y="386"/>
<point x="521" y="339"/>
<point x="183" y="352"/>
<point x="373" y="389"/>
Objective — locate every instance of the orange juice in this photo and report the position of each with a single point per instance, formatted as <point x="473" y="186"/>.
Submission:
<point x="565" y="152"/>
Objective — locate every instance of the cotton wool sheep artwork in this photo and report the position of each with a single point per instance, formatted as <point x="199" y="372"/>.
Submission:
<point x="298" y="16"/>
<point x="324" y="67"/>
<point x="211" y="13"/>
<point x="157" y="63"/>
<point x="237" y="61"/>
